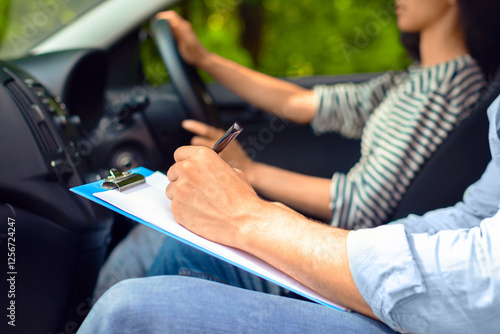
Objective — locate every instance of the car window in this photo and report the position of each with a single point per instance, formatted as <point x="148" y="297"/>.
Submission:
<point x="24" y="23"/>
<point x="294" y="38"/>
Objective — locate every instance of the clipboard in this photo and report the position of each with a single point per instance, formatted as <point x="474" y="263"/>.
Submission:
<point x="142" y="187"/>
<point x="88" y="191"/>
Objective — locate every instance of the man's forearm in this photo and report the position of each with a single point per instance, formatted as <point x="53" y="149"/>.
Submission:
<point x="308" y="194"/>
<point x="220" y="205"/>
<point x="312" y="253"/>
<point x="276" y="96"/>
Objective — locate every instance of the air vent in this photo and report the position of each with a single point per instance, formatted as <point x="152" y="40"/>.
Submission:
<point x="34" y="117"/>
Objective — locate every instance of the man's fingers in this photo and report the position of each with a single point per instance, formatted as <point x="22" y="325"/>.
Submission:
<point x="202" y="141"/>
<point x="202" y="129"/>
<point x="186" y="152"/>
<point x="170" y="191"/>
<point x="183" y="153"/>
<point x="172" y="173"/>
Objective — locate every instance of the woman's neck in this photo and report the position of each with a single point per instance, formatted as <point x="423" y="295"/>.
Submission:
<point x="442" y="41"/>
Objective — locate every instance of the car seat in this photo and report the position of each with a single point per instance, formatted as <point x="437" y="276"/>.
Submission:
<point x="457" y="163"/>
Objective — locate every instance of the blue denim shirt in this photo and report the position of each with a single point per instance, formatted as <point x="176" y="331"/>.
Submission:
<point x="438" y="273"/>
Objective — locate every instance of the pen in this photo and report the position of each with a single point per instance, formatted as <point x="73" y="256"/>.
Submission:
<point x="228" y="137"/>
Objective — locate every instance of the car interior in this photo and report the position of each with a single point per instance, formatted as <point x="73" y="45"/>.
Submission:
<point x="69" y="116"/>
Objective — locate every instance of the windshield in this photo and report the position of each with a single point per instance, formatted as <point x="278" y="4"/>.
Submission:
<point x="25" y="23"/>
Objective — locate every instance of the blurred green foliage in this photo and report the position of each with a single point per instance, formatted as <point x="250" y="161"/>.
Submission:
<point x="296" y="38"/>
<point x="24" y="23"/>
<point x="277" y="37"/>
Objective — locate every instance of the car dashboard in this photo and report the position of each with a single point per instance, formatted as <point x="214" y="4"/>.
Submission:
<point x="39" y="135"/>
<point x="59" y="240"/>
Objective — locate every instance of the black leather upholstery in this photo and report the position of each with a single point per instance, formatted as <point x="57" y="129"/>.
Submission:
<point x="458" y="163"/>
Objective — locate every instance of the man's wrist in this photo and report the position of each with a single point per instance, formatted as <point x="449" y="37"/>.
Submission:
<point x="264" y="218"/>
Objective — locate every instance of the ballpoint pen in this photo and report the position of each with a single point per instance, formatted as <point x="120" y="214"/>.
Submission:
<point x="228" y="137"/>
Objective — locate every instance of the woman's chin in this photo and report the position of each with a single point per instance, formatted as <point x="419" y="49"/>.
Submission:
<point x="407" y="27"/>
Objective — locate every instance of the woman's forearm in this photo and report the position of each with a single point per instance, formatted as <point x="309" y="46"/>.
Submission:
<point x="275" y="96"/>
<point x="308" y="194"/>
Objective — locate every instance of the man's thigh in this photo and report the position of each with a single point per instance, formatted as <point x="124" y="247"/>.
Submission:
<point x="173" y="304"/>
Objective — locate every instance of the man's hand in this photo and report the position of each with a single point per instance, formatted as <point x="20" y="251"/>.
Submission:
<point x="215" y="201"/>
<point x="207" y="136"/>
<point x="209" y="197"/>
<point x="190" y="47"/>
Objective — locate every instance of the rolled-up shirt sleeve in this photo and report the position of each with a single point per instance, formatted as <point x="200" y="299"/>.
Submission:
<point x="447" y="282"/>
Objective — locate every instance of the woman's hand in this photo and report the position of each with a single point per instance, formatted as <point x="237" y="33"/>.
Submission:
<point x="278" y="97"/>
<point x="190" y="47"/>
<point x="206" y="135"/>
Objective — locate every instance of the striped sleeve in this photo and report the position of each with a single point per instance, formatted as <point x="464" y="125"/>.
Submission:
<point x="400" y="136"/>
<point x="344" y="108"/>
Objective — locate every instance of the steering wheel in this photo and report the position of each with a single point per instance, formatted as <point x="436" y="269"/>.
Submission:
<point x="194" y="95"/>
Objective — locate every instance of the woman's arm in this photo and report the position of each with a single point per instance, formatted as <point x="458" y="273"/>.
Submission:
<point x="275" y="96"/>
<point x="307" y="194"/>
<point x="278" y="97"/>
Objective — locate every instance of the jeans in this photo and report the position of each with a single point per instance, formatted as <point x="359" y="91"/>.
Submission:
<point x="174" y="304"/>
<point x="131" y="258"/>
<point x="216" y="298"/>
<point x="176" y="258"/>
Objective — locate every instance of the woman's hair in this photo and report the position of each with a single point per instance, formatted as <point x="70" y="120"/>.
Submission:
<point x="411" y="41"/>
<point x="481" y="22"/>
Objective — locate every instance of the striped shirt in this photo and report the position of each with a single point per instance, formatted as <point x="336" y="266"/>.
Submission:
<point x="401" y="119"/>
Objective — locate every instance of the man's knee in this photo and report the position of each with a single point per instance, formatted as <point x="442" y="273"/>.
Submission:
<point x="112" y="311"/>
<point x="118" y="299"/>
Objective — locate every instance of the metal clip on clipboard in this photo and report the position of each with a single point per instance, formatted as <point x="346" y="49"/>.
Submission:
<point x="122" y="180"/>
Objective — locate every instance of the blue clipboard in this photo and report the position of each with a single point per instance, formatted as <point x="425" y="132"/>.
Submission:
<point x="88" y="190"/>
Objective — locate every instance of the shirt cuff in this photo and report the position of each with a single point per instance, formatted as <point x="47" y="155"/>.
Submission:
<point x="323" y="117"/>
<point x="383" y="268"/>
